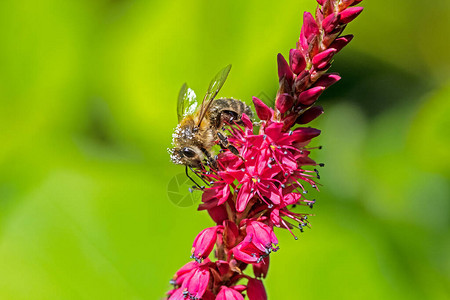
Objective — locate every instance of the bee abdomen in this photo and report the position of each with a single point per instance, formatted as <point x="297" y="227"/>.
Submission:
<point x="223" y="110"/>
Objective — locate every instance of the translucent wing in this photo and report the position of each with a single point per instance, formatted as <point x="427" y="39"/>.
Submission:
<point x="214" y="87"/>
<point x="187" y="102"/>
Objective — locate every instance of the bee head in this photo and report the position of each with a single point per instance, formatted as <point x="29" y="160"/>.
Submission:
<point x="189" y="155"/>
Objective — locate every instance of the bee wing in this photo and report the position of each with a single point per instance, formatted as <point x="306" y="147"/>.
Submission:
<point x="214" y="87"/>
<point x="187" y="102"/>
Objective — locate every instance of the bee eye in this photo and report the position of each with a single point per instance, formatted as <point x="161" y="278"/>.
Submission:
<point x="188" y="152"/>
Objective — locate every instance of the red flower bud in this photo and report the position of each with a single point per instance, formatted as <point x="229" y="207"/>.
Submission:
<point x="322" y="59"/>
<point x="262" y="110"/>
<point x="284" y="102"/>
<point x="309" y="115"/>
<point x="256" y="290"/>
<point x="303" y="134"/>
<point x="309" y="27"/>
<point x="327" y="80"/>
<point x="350" y="14"/>
<point x="330" y="23"/>
<point x="284" y="71"/>
<point x="309" y="96"/>
<point x="341" y="42"/>
<point x="297" y="61"/>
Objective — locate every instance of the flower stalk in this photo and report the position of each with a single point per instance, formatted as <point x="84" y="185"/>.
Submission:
<point x="258" y="189"/>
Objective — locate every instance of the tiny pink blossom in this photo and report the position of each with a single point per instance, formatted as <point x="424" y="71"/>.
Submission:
<point x="227" y="293"/>
<point x="204" y="243"/>
<point x="196" y="282"/>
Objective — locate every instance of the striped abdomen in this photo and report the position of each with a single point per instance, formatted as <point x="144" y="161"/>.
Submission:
<point x="223" y="110"/>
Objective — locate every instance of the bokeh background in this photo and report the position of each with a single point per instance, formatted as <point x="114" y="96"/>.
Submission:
<point x="87" y="107"/>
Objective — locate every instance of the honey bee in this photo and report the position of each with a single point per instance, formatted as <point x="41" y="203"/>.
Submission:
<point x="201" y="127"/>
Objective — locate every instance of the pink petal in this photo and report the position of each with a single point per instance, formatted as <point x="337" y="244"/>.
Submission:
<point x="327" y="80"/>
<point x="243" y="197"/>
<point x="256" y="290"/>
<point x="260" y="269"/>
<point x="197" y="282"/>
<point x="262" y="110"/>
<point x="310" y="96"/>
<point x="321" y="60"/>
<point x="178" y="295"/>
<point x="284" y="71"/>
<point x="302" y="134"/>
<point x="330" y="23"/>
<point x="273" y="131"/>
<point x="341" y="42"/>
<point x="309" y="115"/>
<point x="243" y="256"/>
<point x="204" y="242"/>
<point x="297" y="61"/>
<point x="247" y="122"/>
<point x="227" y="293"/>
<point x="284" y="102"/>
<point x="309" y="27"/>
<point x="350" y="14"/>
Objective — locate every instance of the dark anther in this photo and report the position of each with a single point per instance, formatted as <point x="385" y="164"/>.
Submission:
<point x="321" y="165"/>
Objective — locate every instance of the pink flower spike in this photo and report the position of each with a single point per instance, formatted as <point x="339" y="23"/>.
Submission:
<point x="227" y="293"/>
<point x="196" y="282"/>
<point x="309" y="96"/>
<point x="322" y="59"/>
<point x="309" y="115"/>
<point x="350" y="14"/>
<point x="327" y="80"/>
<point x="284" y="102"/>
<point x="262" y="110"/>
<point x="204" y="243"/>
<point x="284" y="71"/>
<point x="309" y="27"/>
<point x="341" y="42"/>
<point x="297" y="61"/>
<point x="256" y="290"/>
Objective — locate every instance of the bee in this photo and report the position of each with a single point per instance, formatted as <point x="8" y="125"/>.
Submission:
<point x="200" y="127"/>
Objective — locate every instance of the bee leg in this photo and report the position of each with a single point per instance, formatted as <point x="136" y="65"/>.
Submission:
<point x="187" y="174"/>
<point x="223" y="139"/>
<point x="211" y="161"/>
<point x="225" y="144"/>
<point x="199" y="176"/>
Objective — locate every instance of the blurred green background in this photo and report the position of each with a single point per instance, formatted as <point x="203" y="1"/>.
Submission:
<point x="87" y="107"/>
